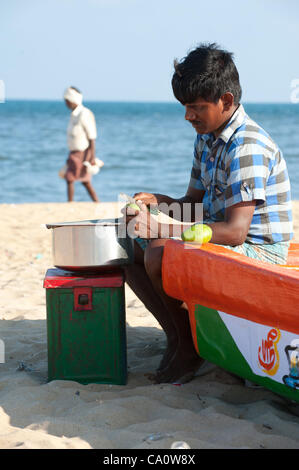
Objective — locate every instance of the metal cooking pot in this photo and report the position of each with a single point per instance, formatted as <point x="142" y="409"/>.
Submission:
<point x="91" y="244"/>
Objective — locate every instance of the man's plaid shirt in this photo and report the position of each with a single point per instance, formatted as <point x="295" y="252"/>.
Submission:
<point x="244" y="164"/>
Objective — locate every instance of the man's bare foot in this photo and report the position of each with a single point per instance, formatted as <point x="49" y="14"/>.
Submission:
<point x="181" y="368"/>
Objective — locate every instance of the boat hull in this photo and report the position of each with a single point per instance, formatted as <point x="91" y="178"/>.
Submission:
<point x="243" y="313"/>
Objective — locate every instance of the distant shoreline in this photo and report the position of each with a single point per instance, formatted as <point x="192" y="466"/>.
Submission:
<point x="60" y="100"/>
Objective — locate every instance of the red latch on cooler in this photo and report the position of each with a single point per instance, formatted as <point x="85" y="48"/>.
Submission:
<point x="83" y="298"/>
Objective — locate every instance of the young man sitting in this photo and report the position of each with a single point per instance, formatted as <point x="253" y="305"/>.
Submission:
<point x="240" y="177"/>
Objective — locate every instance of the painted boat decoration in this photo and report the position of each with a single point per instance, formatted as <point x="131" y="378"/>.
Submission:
<point x="244" y="314"/>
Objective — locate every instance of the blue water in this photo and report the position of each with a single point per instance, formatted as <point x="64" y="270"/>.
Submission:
<point x="145" y="147"/>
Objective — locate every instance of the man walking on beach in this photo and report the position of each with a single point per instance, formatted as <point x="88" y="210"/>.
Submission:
<point x="81" y="135"/>
<point x="239" y="176"/>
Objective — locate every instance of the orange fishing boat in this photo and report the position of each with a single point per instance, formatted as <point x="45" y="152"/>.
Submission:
<point x="244" y="313"/>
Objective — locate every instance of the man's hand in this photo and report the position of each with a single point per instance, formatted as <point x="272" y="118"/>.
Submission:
<point x="141" y="223"/>
<point x="146" y="198"/>
<point x="145" y="226"/>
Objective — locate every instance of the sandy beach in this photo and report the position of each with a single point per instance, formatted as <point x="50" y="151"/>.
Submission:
<point x="215" y="410"/>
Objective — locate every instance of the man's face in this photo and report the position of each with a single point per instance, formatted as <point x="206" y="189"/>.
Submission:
<point x="70" y="105"/>
<point x="206" y="117"/>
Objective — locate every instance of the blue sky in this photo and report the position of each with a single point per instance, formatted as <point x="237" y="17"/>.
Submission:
<point x="124" y="49"/>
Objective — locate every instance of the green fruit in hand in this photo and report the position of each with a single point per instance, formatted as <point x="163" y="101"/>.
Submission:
<point x="134" y="206"/>
<point x="199" y="233"/>
<point x="188" y="235"/>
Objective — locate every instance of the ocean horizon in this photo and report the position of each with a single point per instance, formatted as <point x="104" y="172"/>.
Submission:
<point x="145" y="145"/>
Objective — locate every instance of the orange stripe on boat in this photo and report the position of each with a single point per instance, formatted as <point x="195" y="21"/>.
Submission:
<point x="221" y="279"/>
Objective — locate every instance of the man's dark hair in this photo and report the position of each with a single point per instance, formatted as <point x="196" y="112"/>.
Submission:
<point x="76" y="89"/>
<point x="206" y="72"/>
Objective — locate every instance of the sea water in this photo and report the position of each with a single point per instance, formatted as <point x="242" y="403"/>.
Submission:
<point x="145" y="147"/>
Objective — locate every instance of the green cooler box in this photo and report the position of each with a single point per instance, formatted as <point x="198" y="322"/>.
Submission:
<point x="86" y="327"/>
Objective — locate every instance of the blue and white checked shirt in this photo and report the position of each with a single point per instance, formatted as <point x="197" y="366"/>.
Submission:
<point x="244" y="164"/>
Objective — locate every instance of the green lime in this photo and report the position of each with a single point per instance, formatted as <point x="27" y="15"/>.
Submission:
<point x="199" y="233"/>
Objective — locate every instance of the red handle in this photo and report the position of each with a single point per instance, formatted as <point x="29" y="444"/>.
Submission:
<point x="82" y="298"/>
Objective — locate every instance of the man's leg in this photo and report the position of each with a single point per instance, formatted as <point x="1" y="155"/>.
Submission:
<point x="185" y="360"/>
<point x="70" y="191"/>
<point x="180" y="360"/>
<point x="138" y="280"/>
<point x="91" y="192"/>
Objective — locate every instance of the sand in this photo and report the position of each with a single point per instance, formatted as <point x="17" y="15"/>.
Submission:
<point x="213" y="411"/>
